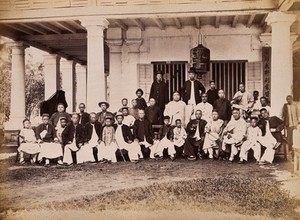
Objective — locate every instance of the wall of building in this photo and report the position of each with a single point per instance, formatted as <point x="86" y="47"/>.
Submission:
<point x="172" y="44"/>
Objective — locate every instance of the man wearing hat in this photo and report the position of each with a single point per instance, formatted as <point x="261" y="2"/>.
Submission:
<point x="159" y="91"/>
<point x="128" y="119"/>
<point x="104" y="113"/>
<point x="166" y="141"/>
<point x="124" y="139"/>
<point x="191" y="93"/>
<point x="46" y="137"/>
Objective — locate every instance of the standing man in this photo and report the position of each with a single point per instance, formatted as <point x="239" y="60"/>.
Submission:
<point x="104" y="113"/>
<point x="59" y="114"/>
<point x="194" y="142"/>
<point x="223" y="107"/>
<point x="191" y="93"/>
<point x="153" y="113"/>
<point x="159" y="91"/>
<point x="84" y="117"/>
<point x="127" y="118"/>
<point x="291" y="118"/>
<point x="212" y="93"/>
<point x="124" y="102"/>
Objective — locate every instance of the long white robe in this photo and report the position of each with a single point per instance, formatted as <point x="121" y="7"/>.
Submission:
<point x="85" y="153"/>
<point x="212" y="129"/>
<point x="176" y="110"/>
<point x="253" y="134"/>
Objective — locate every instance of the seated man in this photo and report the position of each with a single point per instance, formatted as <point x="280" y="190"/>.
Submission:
<point x="50" y="146"/>
<point x="271" y="138"/>
<point x="60" y="128"/>
<point x="124" y="139"/>
<point x="108" y="146"/>
<point x="72" y="138"/>
<point x="134" y="111"/>
<point x="92" y="138"/>
<point x="194" y="141"/>
<point x="213" y="130"/>
<point x="143" y="133"/>
<point x="205" y="107"/>
<point x="176" y="109"/>
<point x="242" y="99"/>
<point x="166" y="141"/>
<point x="234" y="133"/>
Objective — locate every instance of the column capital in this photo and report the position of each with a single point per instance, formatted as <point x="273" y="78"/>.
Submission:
<point x="115" y="45"/>
<point x="280" y="17"/>
<point x="266" y="39"/>
<point x="133" y="45"/>
<point x="18" y="47"/>
<point x="89" y="22"/>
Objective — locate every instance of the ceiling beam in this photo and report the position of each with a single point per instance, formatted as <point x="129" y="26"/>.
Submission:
<point x="159" y="23"/>
<point x="34" y="28"/>
<point x="217" y="22"/>
<point x="65" y="26"/>
<point x="262" y="21"/>
<point x="250" y="20"/>
<point x="139" y="23"/>
<point x="178" y="23"/>
<point x="19" y="28"/>
<point x="267" y="28"/>
<point x="58" y="37"/>
<point x="198" y="22"/>
<point x="49" y="27"/>
<point x="235" y="21"/>
<point x="75" y="24"/>
<point x="121" y="24"/>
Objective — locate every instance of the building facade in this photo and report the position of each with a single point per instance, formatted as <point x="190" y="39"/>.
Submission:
<point x="111" y="48"/>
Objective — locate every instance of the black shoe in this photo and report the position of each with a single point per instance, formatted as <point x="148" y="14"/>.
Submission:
<point x="241" y="162"/>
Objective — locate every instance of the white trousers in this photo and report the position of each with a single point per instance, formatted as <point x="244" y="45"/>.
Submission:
<point x="269" y="142"/>
<point x="85" y="153"/>
<point x="107" y="152"/>
<point x="246" y="146"/>
<point x="50" y="150"/>
<point x="231" y="141"/>
<point x="134" y="149"/>
<point x="158" y="147"/>
<point x="68" y="153"/>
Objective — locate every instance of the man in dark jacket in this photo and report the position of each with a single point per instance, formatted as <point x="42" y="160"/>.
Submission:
<point x="194" y="141"/>
<point x="153" y="113"/>
<point x="271" y="138"/>
<point x="223" y="107"/>
<point x="212" y="93"/>
<point x="92" y="138"/>
<point x="125" y="140"/>
<point x="143" y="133"/>
<point x="159" y="91"/>
<point x="73" y="138"/>
<point x="84" y="117"/>
<point x="104" y="113"/>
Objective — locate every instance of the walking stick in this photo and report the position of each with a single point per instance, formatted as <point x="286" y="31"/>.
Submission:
<point x="121" y="153"/>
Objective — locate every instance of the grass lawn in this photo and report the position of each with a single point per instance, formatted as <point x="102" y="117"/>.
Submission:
<point x="147" y="190"/>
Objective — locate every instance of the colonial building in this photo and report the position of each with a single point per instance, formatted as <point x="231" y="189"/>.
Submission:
<point x="112" y="47"/>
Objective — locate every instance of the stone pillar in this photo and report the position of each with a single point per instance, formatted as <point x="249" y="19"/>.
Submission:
<point x="52" y="72"/>
<point x="96" y="89"/>
<point x="17" y="101"/>
<point x="81" y="76"/>
<point x="114" y="43"/>
<point x="281" y="68"/>
<point x="130" y="59"/>
<point x="68" y="82"/>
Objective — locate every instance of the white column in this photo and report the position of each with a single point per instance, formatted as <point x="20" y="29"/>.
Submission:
<point x="80" y="84"/>
<point x="52" y="71"/>
<point x="281" y="69"/>
<point x="17" y="102"/>
<point x="130" y="59"/>
<point x="66" y="67"/>
<point x="96" y="89"/>
<point x="115" y="74"/>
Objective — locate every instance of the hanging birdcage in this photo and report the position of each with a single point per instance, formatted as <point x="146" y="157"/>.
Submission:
<point x="200" y="59"/>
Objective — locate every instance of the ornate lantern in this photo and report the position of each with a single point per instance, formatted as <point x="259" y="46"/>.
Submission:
<point x="200" y="59"/>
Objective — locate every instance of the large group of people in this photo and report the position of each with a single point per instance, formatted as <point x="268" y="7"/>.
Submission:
<point x="195" y="124"/>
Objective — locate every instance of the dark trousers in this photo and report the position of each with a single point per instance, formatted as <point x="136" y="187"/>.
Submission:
<point x="192" y="147"/>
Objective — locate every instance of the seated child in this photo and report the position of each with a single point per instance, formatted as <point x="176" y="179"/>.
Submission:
<point x="166" y="141"/>
<point x="108" y="146"/>
<point x="28" y="143"/>
<point x="213" y="130"/>
<point x="252" y="135"/>
<point x="179" y="136"/>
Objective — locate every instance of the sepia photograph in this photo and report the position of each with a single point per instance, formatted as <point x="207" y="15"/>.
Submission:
<point x="149" y="109"/>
